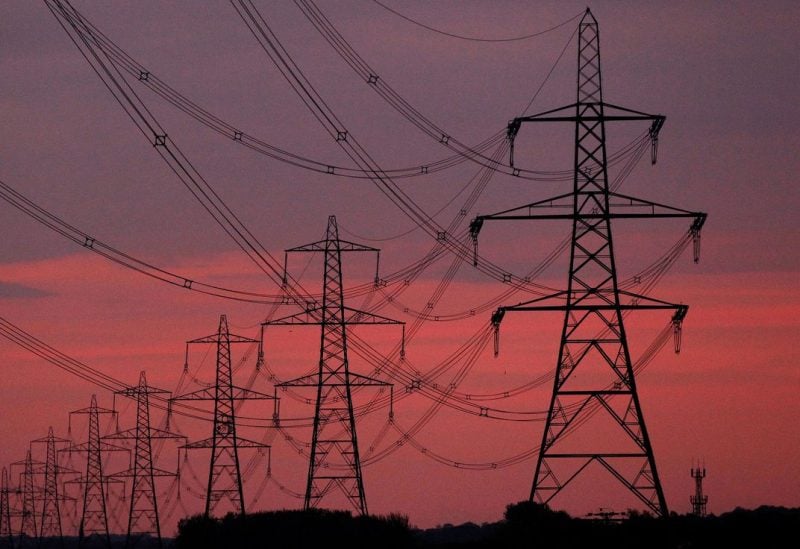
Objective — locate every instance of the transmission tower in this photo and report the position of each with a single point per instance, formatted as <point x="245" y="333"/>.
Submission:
<point x="224" y="477"/>
<point x="334" y="459"/>
<point x="94" y="517"/>
<point x="6" y="534"/>
<point x="698" y="500"/>
<point x="593" y="337"/>
<point x="50" y="525"/>
<point x="28" y="492"/>
<point x="143" y="516"/>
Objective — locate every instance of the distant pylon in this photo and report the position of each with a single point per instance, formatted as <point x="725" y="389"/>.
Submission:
<point x="50" y="521"/>
<point x="224" y="477"/>
<point x="143" y="517"/>
<point x="6" y="534"/>
<point x="94" y="516"/>
<point x="27" y="529"/>
<point x="334" y="459"/>
<point x="698" y="500"/>
<point x="593" y="337"/>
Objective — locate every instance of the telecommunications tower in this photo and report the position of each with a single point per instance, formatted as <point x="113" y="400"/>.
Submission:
<point x="593" y="338"/>
<point x="334" y="461"/>
<point x="698" y="500"/>
<point x="224" y="476"/>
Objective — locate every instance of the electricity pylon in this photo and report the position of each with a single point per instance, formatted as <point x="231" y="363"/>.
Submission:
<point x="28" y="492"/>
<point x="50" y="524"/>
<point x="593" y="337"/>
<point x="224" y="476"/>
<point x="143" y="516"/>
<point x="6" y="534"/>
<point x="698" y="500"/>
<point x="94" y="516"/>
<point x="334" y="459"/>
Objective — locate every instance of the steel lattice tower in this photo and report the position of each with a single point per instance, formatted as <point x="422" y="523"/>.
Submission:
<point x="94" y="516"/>
<point x="143" y="516"/>
<point x="593" y="337"/>
<point x="698" y="500"/>
<point x="224" y="477"/>
<point x="334" y="459"/>
<point x="6" y="534"/>
<point x="50" y="524"/>
<point x="27" y="528"/>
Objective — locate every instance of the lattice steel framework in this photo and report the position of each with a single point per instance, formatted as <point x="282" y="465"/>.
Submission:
<point x="699" y="500"/>
<point x="224" y="476"/>
<point x="334" y="461"/>
<point x="6" y="533"/>
<point x="593" y="337"/>
<point x="94" y="515"/>
<point x="50" y="522"/>
<point x="28" y="494"/>
<point x="143" y="516"/>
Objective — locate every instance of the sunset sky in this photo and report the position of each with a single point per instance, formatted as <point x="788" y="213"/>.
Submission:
<point x="724" y="74"/>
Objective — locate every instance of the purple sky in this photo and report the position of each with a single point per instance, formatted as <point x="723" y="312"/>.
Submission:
<point x="724" y="74"/>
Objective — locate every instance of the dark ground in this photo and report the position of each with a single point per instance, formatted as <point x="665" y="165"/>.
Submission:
<point x="524" y="525"/>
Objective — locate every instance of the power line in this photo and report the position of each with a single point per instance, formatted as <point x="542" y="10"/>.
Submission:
<point x="473" y="38"/>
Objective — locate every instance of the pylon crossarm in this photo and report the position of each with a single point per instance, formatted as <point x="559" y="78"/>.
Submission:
<point x="154" y="433"/>
<point x="237" y="393"/>
<point x="566" y="202"/>
<point x="363" y="317"/>
<point x="552" y="202"/>
<point x="362" y="380"/>
<point x="200" y="394"/>
<point x="247" y="443"/>
<point x="214" y="338"/>
<point x="311" y="315"/>
<point x="617" y="114"/>
<point x="344" y="246"/>
<point x="128" y="473"/>
<point x="104" y="447"/>
<point x="302" y="381"/>
<point x="106" y="480"/>
<point x="632" y="201"/>
<point x="240" y="393"/>
<point x="312" y="380"/>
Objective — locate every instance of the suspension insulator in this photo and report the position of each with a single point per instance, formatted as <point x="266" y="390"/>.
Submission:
<point x="677" y="330"/>
<point x="497" y="317"/>
<point x="696" y="245"/>
<point x="655" y="127"/>
<point x="653" y="150"/>
<point x="475" y="228"/>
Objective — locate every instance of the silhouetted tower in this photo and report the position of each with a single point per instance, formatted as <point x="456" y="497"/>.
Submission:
<point x="224" y="477"/>
<point x="6" y="534"/>
<point x="27" y="528"/>
<point x="593" y="338"/>
<point x="698" y="500"/>
<point x="94" y="516"/>
<point x="50" y="522"/>
<point x="334" y="459"/>
<point x="143" y="516"/>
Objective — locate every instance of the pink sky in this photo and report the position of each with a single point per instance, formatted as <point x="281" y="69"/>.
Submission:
<point x="723" y="74"/>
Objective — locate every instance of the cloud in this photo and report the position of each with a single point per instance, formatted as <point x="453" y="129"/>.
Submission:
<point x="11" y="290"/>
